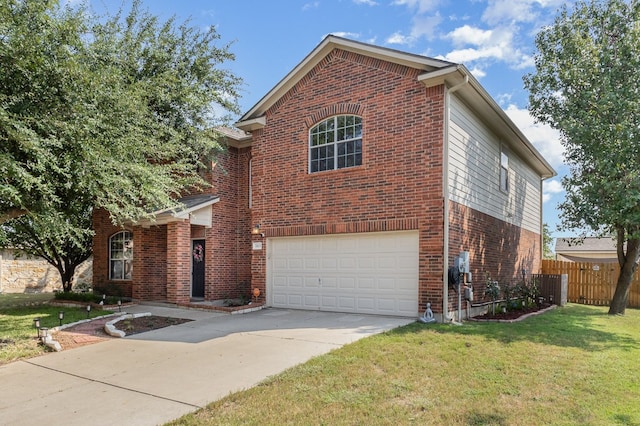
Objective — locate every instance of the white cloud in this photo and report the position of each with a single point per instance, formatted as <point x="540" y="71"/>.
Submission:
<point x="343" y="34"/>
<point x="478" y="72"/>
<point x="398" y="38"/>
<point x="422" y="6"/>
<point x="543" y="137"/>
<point x="488" y="45"/>
<point x="425" y="26"/>
<point x="551" y="188"/>
<point x="311" y="5"/>
<point x="366" y="2"/>
<point x="518" y="10"/>
<point x="469" y="35"/>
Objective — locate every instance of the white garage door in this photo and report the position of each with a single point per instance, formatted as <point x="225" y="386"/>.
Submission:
<point x="372" y="273"/>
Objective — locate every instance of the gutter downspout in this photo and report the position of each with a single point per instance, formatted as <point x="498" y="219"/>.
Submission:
<point x="445" y="191"/>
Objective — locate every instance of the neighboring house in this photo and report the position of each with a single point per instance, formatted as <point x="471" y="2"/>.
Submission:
<point x="591" y="249"/>
<point x="21" y="273"/>
<point x="351" y="186"/>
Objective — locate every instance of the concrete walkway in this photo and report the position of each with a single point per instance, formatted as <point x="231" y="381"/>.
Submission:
<point x="154" y="377"/>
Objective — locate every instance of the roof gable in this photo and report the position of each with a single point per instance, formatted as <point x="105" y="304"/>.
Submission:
<point x="251" y="119"/>
<point x="455" y="77"/>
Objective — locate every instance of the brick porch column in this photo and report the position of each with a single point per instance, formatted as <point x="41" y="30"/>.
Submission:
<point x="178" y="262"/>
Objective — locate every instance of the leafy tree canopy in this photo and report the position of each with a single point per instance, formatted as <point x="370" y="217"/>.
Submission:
<point x="112" y="112"/>
<point x="585" y="85"/>
<point x="120" y="107"/>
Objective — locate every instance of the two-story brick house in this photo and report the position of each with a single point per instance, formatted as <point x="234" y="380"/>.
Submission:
<point x="351" y="186"/>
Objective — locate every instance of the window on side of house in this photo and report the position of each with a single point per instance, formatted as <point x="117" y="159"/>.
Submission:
<point x="121" y="256"/>
<point x="504" y="170"/>
<point x="335" y="143"/>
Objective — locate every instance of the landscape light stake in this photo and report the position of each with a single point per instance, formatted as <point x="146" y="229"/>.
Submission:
<point x="61" y="317"/>
<point x="119" y="305"/>
<point x="36" y="325"/>
<point x="88" y="310"/>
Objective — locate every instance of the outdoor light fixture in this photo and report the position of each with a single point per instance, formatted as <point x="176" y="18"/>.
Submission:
<point x="88" y="310"/>
<point x="256" y="230"/>
<point x="61" y="317"/>
<point x="36" y="322"/>
<point x="119" y="305"/>
<point x="45" y="333"/>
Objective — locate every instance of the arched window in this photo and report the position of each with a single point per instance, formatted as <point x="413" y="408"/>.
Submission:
<point x="121" y="256"/>
<point x="335" y="143"/>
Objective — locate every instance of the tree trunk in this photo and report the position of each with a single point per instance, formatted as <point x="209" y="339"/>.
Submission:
<point x="66" y="275"/>
<point x="628" y="266"/>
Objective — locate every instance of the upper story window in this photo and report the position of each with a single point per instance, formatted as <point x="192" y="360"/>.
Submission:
<point x="121" y="256"/>
<point x="335" y="143"/>
<point x="504" y="170"/>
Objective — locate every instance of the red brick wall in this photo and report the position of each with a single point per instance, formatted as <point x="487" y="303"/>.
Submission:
<point x="228" y="240"/>
<point x="178" y="262"/>
<point x="495" y="247"/>
<point x="398" y="186"/>
<point x="105" y="229"/>
<point x="149" y="263"/>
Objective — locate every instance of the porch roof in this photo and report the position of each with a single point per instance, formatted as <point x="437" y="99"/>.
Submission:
<point x="196" y="208"/>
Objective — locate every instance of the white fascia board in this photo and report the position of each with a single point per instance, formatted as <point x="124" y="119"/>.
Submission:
<point x="252" y="124"/>
<point x="197" y="215"/>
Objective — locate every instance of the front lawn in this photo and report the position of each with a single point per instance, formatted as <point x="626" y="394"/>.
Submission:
<point x="18" y="337"/>
<point x="571" y="366"/>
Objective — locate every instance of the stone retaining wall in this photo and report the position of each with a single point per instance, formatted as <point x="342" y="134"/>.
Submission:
<point x="26" y="274"/>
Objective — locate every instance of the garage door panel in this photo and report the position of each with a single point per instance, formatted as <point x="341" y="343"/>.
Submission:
<point x="311" y="283"/>
<point x="365" y="284"/>
<point x="347" y="303"/>
<point x="311" y="301"/>
<point x="366" y="304"/>
<point x="347" y="262"/>
<point x="365" y="273"/>
<point x="347" y="284"/>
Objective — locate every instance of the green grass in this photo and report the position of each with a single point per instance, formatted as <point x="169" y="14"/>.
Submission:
<point x="18" y="337"/>
<point x="10" y="300"/>
<point x="571" y="366"/>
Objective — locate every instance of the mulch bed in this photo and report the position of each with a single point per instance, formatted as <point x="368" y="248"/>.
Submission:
<point x="511" y="315"/>
<point x="148" y="323"/>
<point x="91" y="332"/>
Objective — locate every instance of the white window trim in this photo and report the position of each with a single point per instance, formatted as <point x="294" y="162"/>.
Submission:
<point x="111" y="278"/>
<point x="334" y="143"/>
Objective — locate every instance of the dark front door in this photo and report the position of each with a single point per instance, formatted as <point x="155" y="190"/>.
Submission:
<point x="197" y="268"/>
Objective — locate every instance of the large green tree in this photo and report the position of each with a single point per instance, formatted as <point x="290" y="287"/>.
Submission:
<point x="586" y="86"/>
<point x="110" y="112"/>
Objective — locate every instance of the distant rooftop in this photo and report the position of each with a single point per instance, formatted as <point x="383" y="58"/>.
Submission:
<point x="588" y="244"/>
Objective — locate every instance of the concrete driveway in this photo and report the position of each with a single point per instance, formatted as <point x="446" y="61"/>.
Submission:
<point x="155" y="377"/>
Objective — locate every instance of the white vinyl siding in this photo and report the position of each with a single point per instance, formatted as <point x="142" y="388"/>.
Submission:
<point x="474" y="172"/>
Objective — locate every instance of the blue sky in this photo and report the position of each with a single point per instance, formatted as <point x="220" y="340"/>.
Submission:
<point x="492" y="38"/>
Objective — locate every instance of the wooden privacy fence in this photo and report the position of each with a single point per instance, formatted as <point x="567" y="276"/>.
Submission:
<point x="592" y="283"/>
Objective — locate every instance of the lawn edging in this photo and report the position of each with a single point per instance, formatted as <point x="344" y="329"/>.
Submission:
<point x="110" y="327"/>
